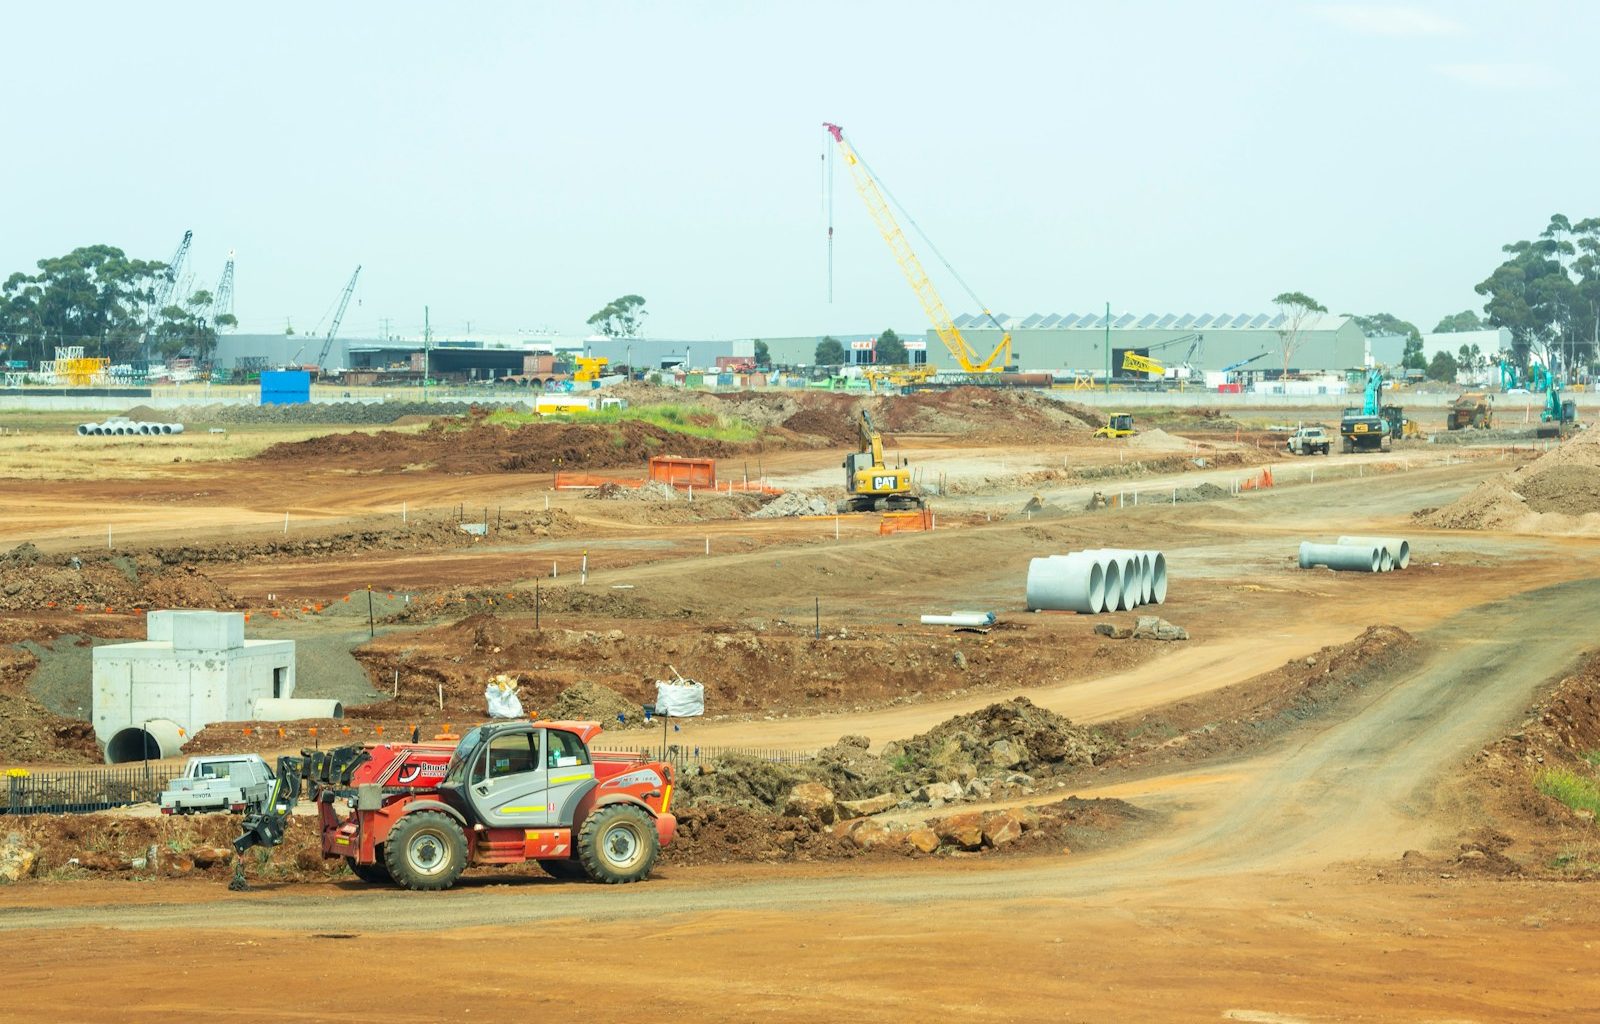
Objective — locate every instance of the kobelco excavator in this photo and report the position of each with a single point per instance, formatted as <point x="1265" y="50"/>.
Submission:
<point x="870" y="484"/>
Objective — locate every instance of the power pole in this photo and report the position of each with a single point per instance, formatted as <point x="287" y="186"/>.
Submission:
<point x="427" y="341"/>
<point x="1108" y="348"/>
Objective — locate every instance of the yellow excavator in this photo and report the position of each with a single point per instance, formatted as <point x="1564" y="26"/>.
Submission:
<point x="870" y="484"/>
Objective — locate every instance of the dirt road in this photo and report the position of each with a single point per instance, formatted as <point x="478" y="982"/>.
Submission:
<point x="1239" y="910"/>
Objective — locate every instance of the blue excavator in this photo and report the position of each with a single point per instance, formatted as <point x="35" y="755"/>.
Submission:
<point x="1557" y="415"/>
<point x="1367" y="428"/>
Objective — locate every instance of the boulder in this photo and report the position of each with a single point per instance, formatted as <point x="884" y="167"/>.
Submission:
<point x="923" y="840"/>
<point x="871" y="805"/>
<point x="940" y="792"/>
<point x="870" y="835"/>
<point x="1007" y="753"/>
<point x="16" y="859"/>
<point x="1151" y="627"/>
<point x="811" y="800"/>
<point x="963" y="831"/>
<point x="1002" y="827"/>
<point x="1113" y="631"/>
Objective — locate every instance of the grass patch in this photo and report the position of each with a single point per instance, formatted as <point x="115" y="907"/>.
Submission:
<point x="693" y="420"/>
<point x="1593" y="757"/>
<point x="1574" y="790"/>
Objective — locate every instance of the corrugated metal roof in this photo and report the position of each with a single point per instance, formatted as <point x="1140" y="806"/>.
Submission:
<point x="1147" y="321"/>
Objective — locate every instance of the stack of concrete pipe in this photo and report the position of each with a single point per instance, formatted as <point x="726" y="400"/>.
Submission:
<point x="1358" y="554"/>
<point x="1097" y="580"/>
<point x="127" y="428"/>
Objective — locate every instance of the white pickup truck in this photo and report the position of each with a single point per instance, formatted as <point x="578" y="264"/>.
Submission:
<point x="222" y="782"/>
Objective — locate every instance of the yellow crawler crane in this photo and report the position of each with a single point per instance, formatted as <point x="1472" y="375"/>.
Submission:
<point x="967" y="358"/>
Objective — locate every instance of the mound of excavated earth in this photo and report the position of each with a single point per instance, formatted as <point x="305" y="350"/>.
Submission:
<point x="1559" y="492"/>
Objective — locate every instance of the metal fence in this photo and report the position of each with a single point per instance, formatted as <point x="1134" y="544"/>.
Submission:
<point x="89" y="789"/>
<point x="683" y="757"/>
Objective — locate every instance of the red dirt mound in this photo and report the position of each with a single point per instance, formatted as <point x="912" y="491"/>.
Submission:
<point x="486" y="448"/>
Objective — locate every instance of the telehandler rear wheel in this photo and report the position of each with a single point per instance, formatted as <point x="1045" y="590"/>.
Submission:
<point x="618" y="844"/>
<point x="426" y="851"/>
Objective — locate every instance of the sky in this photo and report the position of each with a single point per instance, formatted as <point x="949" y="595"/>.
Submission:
<point x="513" y="167"/>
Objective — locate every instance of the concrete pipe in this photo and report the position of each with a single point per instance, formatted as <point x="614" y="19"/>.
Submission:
<point x="1385" y="563"/>
<point x="1158" y="578"/>
<point x="1130" y="566"/>
<point x="1399" y="549"/>
<point x="144" y="741"/>
<point x="1341" y="557"/>
<point x="141" y="428"/>
<point x="1068" y="583"/>
<point x="971" y="620"/>
<point x="83" y="429"/>
<point x="1147" y="576"/>
<point x="177" y="428"/>
<point x="1113" y="593"/>
<point x="292" y="709"/>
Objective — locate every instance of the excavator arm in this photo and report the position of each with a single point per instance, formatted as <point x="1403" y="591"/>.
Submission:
<point x="871" y="440"/>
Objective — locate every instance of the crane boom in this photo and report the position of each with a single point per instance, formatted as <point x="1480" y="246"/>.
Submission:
<point x="222" y="301"/>
<point x="968" y="358"/>
<point x="333" y="329"/>
<point x="1139" y="364"/>
<point x="169" y="277"/>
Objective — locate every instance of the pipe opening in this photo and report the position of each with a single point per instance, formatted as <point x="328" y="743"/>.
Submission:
<point x="132" y="744"/>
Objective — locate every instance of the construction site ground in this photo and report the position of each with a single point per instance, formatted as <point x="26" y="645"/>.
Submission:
<point x="1371" y="851"/>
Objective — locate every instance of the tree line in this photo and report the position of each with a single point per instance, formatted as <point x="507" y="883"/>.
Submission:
<point x="98" y="297"/>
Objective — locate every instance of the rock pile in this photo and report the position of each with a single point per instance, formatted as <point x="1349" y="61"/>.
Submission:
<point x="794" y="503"/>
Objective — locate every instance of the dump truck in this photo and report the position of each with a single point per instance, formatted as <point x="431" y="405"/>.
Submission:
<point x="419" y="814"/>
<point x="1471" y="410"/>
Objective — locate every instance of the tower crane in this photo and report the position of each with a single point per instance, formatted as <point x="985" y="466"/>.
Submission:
<point x="873" y="194"/>
<point x="333" y="329"/>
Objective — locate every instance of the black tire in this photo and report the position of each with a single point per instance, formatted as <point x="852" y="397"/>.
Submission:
<point x="567" y="870"/>
<point x="618" y="844"/>
<point x="426" y="851"/>
<point x="376" y="873"/>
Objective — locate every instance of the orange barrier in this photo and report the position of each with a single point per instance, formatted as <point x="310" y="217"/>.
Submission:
<point x="904" y="522"/>
<point x="1257" y="483"/>
<point x="682" y="472"/>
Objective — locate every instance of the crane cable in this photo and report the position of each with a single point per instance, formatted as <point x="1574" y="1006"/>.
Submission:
<point x="924" y="236"/>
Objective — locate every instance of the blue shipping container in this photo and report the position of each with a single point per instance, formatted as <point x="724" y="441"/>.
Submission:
<point x="285" y="387"/>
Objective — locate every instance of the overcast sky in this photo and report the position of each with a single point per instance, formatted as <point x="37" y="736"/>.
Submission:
<point x="517" y="166"/>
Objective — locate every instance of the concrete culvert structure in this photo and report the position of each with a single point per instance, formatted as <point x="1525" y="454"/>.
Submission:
<point x="1341" y="557"/>
<point x="1069" y="583"/>
<point x="148" y="741"/>
<point x="1398" y="548"/>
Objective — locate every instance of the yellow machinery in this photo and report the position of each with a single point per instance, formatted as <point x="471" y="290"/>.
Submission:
<point x="1120" y="425"/>
<point x="870" y="484"/>
<point x="589" y="367"/>
<point x="1135" y="363"/>
<point x="966" y="357"/>
<point x="897" y="378"/>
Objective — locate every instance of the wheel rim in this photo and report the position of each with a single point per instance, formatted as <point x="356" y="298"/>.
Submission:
<point x="427" y="853"/>
<point x="622" y="845"/>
